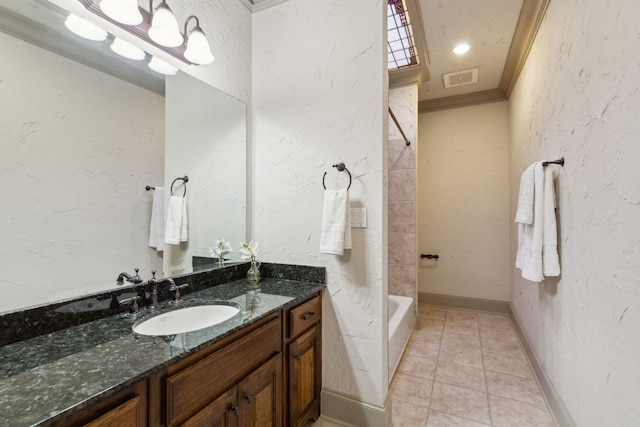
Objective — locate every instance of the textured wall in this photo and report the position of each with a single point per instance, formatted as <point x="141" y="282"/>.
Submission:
<point x="320" y="98"/>
<point x="75" y="160"/>
<point x="463" y="201"/>
<point x="403" y="264"/>
<point x="578" y="97"/>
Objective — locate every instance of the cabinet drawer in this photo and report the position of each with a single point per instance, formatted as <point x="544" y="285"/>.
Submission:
<point x="304" y="315"/>
<point x="192" y="388"/>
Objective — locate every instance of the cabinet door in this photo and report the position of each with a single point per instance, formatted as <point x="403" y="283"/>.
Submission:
<point x="304" y="378"/>
<point x="260" y="396"/>
<point x="130" y="413"/>
<point x="222" y="412"/>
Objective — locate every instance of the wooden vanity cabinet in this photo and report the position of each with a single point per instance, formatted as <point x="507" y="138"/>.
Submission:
<point x="304" y="362"/>
<point x="127" y="408"/>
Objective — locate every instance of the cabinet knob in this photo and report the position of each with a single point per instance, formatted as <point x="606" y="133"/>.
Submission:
<point x="235" y="410"/>
<point x="297" y="356"/>
<point x="248" y="398"/>
<point x="309" y="315"/>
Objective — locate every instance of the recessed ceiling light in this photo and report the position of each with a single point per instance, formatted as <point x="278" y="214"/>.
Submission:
<point x="461" y="49"/>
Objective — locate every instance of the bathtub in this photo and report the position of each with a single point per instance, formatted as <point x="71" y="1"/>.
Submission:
<point x="402" y="322"/>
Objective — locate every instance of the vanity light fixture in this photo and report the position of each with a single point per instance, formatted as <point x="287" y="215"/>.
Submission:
<point x="85" y="29"/>
<point x="158" y="27"/>
<point x="162" y="67"/>
<point x="124" y="11"/>
<point x="164" y="27"/>
<point x="127" y="50"/>
<point x="461" y="49"/>
<point x="198" y="50"/>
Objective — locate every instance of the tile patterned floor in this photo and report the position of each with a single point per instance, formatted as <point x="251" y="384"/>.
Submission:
<point x="465" y="368"/>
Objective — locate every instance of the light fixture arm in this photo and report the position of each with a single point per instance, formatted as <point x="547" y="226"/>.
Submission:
<point x="187" y="23"/>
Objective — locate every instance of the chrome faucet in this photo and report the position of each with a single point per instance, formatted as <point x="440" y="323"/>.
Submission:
<point x="131" y="279"/>
<point x="153" y="282"/>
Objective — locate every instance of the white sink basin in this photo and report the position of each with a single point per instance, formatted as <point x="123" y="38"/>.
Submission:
<point x="185" y="319"/>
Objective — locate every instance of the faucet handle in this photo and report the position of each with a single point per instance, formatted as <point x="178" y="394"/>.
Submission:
<point x="177" y="288"/>
<point x="136" y="278"/>
<point x="133" y="302"/>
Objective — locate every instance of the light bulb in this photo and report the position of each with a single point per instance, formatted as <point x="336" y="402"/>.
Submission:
<point x="164" y="27"/>
<point x="162" y="67"/>
<point x="84" y="28"/>
<point x="127" y="50"/>
<point x="461" y="49"/>
<point x="124" y="11"/>
<point x="198" y="51"/>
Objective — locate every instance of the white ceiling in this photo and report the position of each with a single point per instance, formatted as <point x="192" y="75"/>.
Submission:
<point x="486" y="25"/>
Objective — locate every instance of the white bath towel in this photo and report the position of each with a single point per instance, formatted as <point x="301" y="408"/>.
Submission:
<point x="524" y="212"/>
<point x="177" y="221"/>
<point x="524" y="216"/>
<point x="335" y="234"/>
<point x="550" y="259"/>
<point x="532" y="264"/>
<point x="156" y="225"/>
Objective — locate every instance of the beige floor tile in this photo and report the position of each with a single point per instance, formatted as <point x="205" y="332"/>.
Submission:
<point x="507" y="365"/>
<point x="461" y="326"/>
<point x="417" y="366"/>
<point x="432" y="311"/>
<point x="460" y="375"/>
<point x="509" y="413"/>
<point x="460" y="314"/>
<point x="439" y="419"/>
<point x="518" y="388"/>
<point x="505" y="348"/>
<point x="452" y="339"/>
<point x="323" y="423"/>
<point x="469" y="355"/>
<point x="498" y="331"/>
<point x="429" y="324"/>
<point x="424" y="345"/>
<point x="411" y="389"/>
<point x="460" y="402"/>
<point x="404" y="414"/>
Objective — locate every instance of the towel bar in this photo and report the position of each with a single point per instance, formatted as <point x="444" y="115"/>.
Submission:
<point x="560" y="162"/>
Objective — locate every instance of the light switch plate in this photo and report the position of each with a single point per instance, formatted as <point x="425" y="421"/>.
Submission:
<point x="358" y="217"/>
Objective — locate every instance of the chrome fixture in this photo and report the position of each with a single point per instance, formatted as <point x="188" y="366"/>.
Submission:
<point x="131" y="279"/>
<point x="132" y="303"/>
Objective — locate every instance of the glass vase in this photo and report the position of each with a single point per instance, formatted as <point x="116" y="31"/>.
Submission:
<point x="253" y="275"/>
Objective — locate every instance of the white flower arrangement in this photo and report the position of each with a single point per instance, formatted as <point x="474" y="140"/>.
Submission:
<point x="222" y="249"/>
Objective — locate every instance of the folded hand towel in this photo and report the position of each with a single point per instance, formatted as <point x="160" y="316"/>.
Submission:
<point x="156" y="225"/>
<point x="177" y="228"/>
<point x="532" y="269"/>
<point x="550" y="260"/>
<point x="335" y="234"/>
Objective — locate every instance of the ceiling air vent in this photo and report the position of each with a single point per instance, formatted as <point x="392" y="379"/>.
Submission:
<point x="460" y="78"/>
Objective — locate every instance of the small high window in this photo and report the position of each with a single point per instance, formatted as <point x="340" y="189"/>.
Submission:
<point x="401" y="46"/>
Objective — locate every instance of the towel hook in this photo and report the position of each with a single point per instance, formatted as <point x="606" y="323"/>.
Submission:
<point x="341" y="167"/>
<point x="181" y="178"/>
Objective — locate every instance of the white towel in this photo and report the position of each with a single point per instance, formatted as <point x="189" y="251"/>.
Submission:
<point x="156" y="225"/>
<point x="335" y="235"/>
<point x="550" y="260"/>
<point x="524" y="213"/>
<point x="532" y="268"/>
<point x="177" y="221"/>
<point x="524" y="216"/>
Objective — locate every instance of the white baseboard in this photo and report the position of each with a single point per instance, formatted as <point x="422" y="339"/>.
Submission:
<point x="347" y="411"/>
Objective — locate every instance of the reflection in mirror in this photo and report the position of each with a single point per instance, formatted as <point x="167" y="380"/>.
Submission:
<point x="78" y="148"/>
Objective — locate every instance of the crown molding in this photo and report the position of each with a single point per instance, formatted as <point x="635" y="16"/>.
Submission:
<point x="467" y="99"/>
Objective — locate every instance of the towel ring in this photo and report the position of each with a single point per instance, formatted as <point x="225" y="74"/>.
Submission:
<point x="181" y="178"/>
<point x="341" y="167"/>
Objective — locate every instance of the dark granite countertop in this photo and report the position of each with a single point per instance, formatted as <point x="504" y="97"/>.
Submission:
<point x="46" y="378"/>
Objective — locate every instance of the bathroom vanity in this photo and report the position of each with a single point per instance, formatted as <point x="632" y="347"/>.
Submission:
<point x="261" y="368"/>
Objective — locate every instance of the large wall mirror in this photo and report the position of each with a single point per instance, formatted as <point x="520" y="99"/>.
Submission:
<point x="78" y="148"/>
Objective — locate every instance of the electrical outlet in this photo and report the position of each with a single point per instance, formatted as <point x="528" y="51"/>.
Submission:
<point x="358" y="217"/>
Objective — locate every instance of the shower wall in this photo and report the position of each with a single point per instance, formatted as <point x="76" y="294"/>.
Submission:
<point x="463" y="203"/>
<point x="403" y="278"/>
